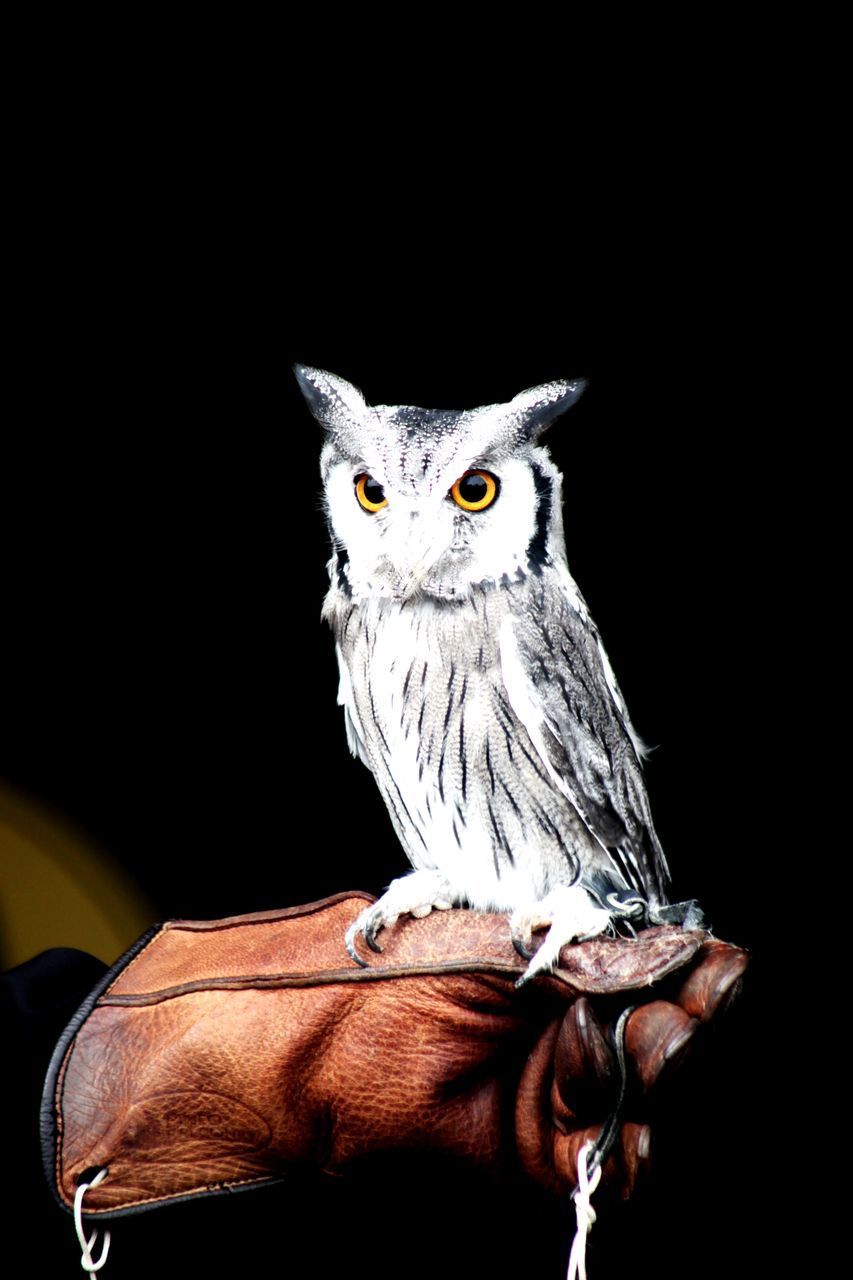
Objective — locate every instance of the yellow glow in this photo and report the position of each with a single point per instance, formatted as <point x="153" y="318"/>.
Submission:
<point x="58" y="889"/>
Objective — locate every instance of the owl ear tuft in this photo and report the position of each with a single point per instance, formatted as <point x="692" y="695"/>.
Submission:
<point x="535" y="409"/>
<point x="334" y="402"/>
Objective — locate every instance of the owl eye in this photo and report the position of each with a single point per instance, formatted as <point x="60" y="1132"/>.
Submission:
<point x="370" y="493"/>
<point x="475" y="491"/>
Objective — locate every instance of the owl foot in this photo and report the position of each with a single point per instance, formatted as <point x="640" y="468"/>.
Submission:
<point x="415" y="895"/>
<point x="572" y="916"/>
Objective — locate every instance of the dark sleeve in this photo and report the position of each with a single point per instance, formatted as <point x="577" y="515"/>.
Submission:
<point x="37" y="1000"/>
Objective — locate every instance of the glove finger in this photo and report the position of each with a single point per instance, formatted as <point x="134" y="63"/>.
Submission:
<point x="566" y="1151"/>
<point x="715" y="981"/>
<point x="657" y="1039"/>
<point x="584" y="1064"/>
<point x="636" y="1152"/>
<point x="627" y="1163"/>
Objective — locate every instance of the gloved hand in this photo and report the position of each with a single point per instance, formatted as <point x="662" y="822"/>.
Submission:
<point x="222" y="1054"/>
<point x="574" y="1076"/>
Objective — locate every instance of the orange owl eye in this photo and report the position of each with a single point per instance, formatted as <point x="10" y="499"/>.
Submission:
<point x="370" y="493"/>
<point x="475" y="491"/>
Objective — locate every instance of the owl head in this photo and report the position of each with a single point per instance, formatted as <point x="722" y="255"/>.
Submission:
<point x="435" y="502"/>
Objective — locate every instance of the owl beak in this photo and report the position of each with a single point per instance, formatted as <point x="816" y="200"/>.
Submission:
<point x="412" y="579"/>
<point x="416" y="561"/>
<point x="410" y="583"/>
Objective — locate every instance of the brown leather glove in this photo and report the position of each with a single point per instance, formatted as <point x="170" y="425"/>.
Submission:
<point x="230" y="1053"/>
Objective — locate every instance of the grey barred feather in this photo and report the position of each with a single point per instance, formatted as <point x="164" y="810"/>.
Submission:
<point x="474" y="682"/>
<point x="590" y="741"/>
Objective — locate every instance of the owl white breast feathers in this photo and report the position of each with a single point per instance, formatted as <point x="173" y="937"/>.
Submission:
<point x="473" y="680"/>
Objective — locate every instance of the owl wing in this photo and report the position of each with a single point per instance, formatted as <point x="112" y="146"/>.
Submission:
<point x="561" y="686"/>
<point x="352" y="723"/>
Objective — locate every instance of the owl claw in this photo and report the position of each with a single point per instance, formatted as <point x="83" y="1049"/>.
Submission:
<point x="522" y="945"/>
<point x="353" y="954"/>
<point x="415" y="895"/>
<point x="361" y="925"/>
<point x="569" y="914"/>
<point x="369" y="934"/>
<point x="367" y="925"/>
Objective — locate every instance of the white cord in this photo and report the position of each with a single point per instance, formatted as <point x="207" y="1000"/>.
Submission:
<point x="584" y="1212"/>
<point x="86" y="1246"/>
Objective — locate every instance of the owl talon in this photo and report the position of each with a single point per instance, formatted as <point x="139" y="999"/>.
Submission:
<point x="369" y="935"/>
<point x="362" y="925"/>
<point x="569" y="914"/>
<point x="353" y="954"/>
<point x="415" y="895"/>
<point x="367" y="925"/>
<point x="522" y="946"/>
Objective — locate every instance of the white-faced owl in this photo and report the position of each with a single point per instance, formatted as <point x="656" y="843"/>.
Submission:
<point x="474" y="683"/>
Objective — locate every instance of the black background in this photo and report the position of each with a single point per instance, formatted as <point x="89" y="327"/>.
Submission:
<point x="168" y="683"/>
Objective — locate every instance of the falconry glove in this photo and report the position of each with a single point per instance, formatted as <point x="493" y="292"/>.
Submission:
<point x="230" y="1053"/>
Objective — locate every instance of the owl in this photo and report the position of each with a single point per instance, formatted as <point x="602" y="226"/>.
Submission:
<point x="473" y="680"/>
